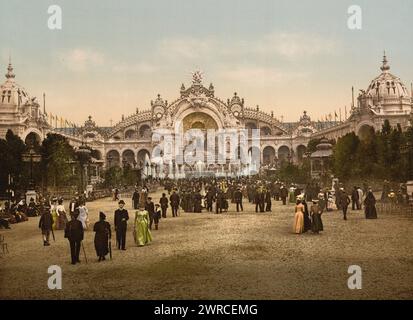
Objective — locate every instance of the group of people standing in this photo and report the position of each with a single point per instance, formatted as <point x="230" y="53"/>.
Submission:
<point x="304" y="219"/>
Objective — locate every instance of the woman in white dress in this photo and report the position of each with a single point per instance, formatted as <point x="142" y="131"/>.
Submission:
<point x="61" y="211"/>
<point x="83" y="215"/>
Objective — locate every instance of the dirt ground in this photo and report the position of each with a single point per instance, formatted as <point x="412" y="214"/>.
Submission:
<point x="229" y="256"/>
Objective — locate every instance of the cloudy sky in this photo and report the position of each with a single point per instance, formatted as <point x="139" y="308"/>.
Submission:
<point x="287" y="56"/>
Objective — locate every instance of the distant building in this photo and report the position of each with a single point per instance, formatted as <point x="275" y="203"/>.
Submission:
<point x="129" y="142"/>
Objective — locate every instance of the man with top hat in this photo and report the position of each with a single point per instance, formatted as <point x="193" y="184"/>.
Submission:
<point x="135" y="199"/>
<point x="174" y="201"/>
<point x="238" y="199"/>
<point x="150" y="207"/>
<point x="74" y="233"/>
<point x="121" y="220"/>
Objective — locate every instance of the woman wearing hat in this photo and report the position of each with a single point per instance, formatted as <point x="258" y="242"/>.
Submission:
<point x="102" y="236"/>
<point x="141" y="232"/>
<point x="315" y="211"/>
<point x="299" y="217"/>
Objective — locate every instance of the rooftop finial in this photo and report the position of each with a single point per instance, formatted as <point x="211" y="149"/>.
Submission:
<point x="10" y="74"/>
<point x="385" y="67"/>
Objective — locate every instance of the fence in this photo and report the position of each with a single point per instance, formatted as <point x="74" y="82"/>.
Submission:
<point x="393" y="207"/>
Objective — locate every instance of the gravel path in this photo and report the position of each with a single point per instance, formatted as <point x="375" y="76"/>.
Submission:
<point x="227" y="256"/>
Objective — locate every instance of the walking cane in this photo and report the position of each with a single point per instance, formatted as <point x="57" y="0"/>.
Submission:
<point x="110" y="248"/>
<point x="53" y="235"/>
<point x="84" y="252"/>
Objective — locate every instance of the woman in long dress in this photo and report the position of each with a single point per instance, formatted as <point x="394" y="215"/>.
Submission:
<point x="317" y="223"/>
<point x="55" y="214"/>
<point x="141" y="232"/>
<point x="61" y="211"/>
<point x="102" y="236"/>
<point x="83" y="215"/>
<point x="307" y="220"/>
<point x="299" y="218"/>
<point x="370" y="206"/>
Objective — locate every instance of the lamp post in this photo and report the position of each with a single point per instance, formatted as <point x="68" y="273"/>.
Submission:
<point x="83" y="156"/>
<point x="147" y="170"/>
<point x="31" y="156"/>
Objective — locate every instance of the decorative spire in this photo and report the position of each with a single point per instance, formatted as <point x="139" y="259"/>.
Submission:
<point x="197" y="77"/>
<point x="385" y="67"/>
<point x="10" y="74"/>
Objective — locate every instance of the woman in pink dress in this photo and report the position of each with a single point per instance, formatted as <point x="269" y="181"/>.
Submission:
<point x="299" y="218"/>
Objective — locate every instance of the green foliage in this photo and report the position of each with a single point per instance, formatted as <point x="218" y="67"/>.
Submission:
<point x="11" y="150"/>
<point x="113" y="176"/>
<point x="375" y="155"/>
<point x="290" y="172"/>
<point x="57" y="160"/>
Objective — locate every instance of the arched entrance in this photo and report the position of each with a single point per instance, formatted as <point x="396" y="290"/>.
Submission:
<point x="365" y="131"/>
<point x="32" y="139"/>
<point x="301" y="150"/>
<point x="113" y="158"/>
<point x="199" y="120"/>
<point x="128" y="158"/>
<point x="268" y="155"/>
<point x="283" y="154"/>
<point x="143" y="155"/>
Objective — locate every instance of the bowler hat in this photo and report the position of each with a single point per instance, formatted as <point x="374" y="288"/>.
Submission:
<point x="121" y="202"/>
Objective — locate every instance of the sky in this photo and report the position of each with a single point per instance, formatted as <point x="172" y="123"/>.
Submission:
<point x="111" y="57"/>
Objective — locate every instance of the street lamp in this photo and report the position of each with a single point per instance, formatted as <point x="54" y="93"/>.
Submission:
<point x="31" y="156"/>
<point x="83" y="156"/>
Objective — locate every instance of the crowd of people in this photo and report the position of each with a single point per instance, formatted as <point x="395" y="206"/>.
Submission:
<point x="213" y="195"/>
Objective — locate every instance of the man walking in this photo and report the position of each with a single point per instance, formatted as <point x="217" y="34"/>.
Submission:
<point x="121" y="223"/>
<point x="354" y="199"/>
<point x="238" y="199"/>
<point x="174" y="200"/>
<point x="164" y="204"/>
<point x="150" y="207"/>
<point x="135" y="199"/>
<point x="46" y="224"/>
<point x="74" y="233"/>
<point x="344" y="203"/>
<point x="283" y="194"/>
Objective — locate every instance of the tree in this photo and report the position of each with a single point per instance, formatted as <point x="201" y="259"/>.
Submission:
<point x="113" y="177"/>
<point x="345" y="155"/>
<point x="11" y="150"/>
<point x="57" y="159"/>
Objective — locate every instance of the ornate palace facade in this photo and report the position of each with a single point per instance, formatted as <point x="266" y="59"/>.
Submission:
<point x="130" y="140"/>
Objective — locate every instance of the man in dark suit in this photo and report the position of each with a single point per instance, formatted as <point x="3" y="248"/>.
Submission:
<point x="150" y="207"/>
<point x="283" y="194"/>
<point x="74" y="233"/>
<point x="238" y="199"/>
<point x="344" y="202"/>
<point x="135" y="199"/>
<point x="45" y="224"/>
<point x="210" y="198"/>
<point x="73" y="205"/>
<point x="174" y="200"/>
<point x="121" y="223"/>
<point x="355" y="199"/>
<point x="164" y="204"/>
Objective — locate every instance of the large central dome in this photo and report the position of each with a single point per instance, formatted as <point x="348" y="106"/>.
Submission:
<point x="387" y="86"/>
